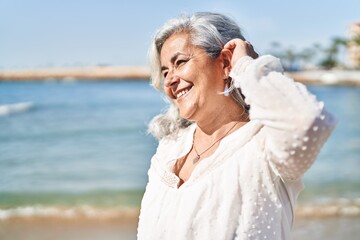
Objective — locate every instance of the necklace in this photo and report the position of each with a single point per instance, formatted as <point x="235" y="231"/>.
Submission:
<point x="197" y="158"/>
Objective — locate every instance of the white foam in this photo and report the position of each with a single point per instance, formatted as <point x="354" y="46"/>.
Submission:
<point x="83" y="211"/>
<point x="7" y="109"/>
<point x="339" y="207"/>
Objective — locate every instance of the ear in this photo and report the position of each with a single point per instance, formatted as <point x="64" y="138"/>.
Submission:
<point x="226" y="56"/>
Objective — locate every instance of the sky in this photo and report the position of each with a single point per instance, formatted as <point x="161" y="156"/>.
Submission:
<point x="77" y="33"/>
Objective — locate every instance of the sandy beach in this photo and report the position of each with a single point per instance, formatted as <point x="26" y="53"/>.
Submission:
<point x="313" y="221"/>
<point x="60" y="229"/>
<point x="317" y="222"/>
<point x="55" y="229"/>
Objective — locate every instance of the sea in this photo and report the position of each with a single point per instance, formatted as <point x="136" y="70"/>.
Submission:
<point x="73" y="149"/>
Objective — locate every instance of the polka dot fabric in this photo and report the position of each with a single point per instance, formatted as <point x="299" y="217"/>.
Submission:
<point x="247" y="189"/>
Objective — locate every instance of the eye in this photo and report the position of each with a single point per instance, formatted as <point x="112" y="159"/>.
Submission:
<point x="165" y="73"/>
<point x="180" y="62"/>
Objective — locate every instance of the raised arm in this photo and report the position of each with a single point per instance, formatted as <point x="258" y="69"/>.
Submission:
<point x="295" y="124"/>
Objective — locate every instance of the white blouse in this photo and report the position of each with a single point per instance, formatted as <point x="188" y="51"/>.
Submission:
<point x="248" y="187"/>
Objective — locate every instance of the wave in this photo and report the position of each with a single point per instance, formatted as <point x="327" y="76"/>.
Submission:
<point x="340" y="208"/>
<point x="73" y="213"/>
<point x="334" y="208"/>
<point x="7" y="109"/>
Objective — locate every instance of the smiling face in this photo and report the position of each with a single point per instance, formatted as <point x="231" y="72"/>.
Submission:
<point x="193" y="80"/>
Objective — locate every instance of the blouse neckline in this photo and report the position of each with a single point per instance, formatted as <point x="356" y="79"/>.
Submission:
<point x="232" y="141"/>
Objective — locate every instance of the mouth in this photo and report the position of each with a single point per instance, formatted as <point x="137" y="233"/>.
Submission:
<point x="182" y="92"/>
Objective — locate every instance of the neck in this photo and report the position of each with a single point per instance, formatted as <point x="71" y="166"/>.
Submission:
<point x="215" y="125"/>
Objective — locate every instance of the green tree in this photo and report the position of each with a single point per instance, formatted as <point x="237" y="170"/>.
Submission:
<point x="330" y="59"/>
<point x="307" y="56"/>
<point x="287" y="56"/>
<point x="291" y="57"/>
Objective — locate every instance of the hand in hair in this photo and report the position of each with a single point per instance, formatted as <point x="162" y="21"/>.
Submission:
<point x="240" y="48"/>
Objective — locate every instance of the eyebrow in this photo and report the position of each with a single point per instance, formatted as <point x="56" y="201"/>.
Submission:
<point x="172" y="60"/>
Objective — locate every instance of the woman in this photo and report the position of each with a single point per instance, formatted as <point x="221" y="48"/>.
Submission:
<point x="236" y="141"/>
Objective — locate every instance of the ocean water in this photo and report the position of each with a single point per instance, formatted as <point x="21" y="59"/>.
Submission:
<point x="70" y="147"/>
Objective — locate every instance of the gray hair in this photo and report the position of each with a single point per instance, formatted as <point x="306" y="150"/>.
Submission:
<point x="210" y="31"/>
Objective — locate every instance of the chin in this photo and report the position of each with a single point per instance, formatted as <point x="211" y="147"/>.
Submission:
<point x="188" y="110"/>
<point x="188" y="115"/>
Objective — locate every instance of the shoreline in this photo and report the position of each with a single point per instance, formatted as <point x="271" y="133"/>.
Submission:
<point x="115" y="73"/>
<point x="345" y="208"/>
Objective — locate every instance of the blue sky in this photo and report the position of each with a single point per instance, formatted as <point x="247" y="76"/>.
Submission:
<point x="42" y="34"/>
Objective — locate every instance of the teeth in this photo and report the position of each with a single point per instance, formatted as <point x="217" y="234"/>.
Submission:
<point x="182" y="93"/>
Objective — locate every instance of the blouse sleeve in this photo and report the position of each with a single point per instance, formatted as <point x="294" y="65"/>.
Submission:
<point x="295" y="125"/>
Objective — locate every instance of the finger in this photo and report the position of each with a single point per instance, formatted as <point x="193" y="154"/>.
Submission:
<point x="230" y="45"/>
<point x="233" y="43"/>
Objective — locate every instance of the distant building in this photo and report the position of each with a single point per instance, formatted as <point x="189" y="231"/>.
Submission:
<point x="354" y="47"/>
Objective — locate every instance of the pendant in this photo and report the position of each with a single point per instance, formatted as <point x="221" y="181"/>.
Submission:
<point x="196" y="159"/>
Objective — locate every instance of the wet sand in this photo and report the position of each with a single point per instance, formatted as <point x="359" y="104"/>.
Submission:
<point x="45" y="229"/>
<point x="327" y="228"/>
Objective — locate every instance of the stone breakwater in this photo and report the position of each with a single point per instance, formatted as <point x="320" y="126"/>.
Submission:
<point x="322" y="77"/>
<point x="86" y="73"/>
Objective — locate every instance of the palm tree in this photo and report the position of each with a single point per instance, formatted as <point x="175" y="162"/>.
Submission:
<point x="291" y="57"/>
<point x="276" y="49"/>
<point x="307" y="56"/>
<point x="331" y="53"/>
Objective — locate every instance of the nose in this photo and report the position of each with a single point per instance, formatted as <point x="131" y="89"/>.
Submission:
<point x="171" y="80"/>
